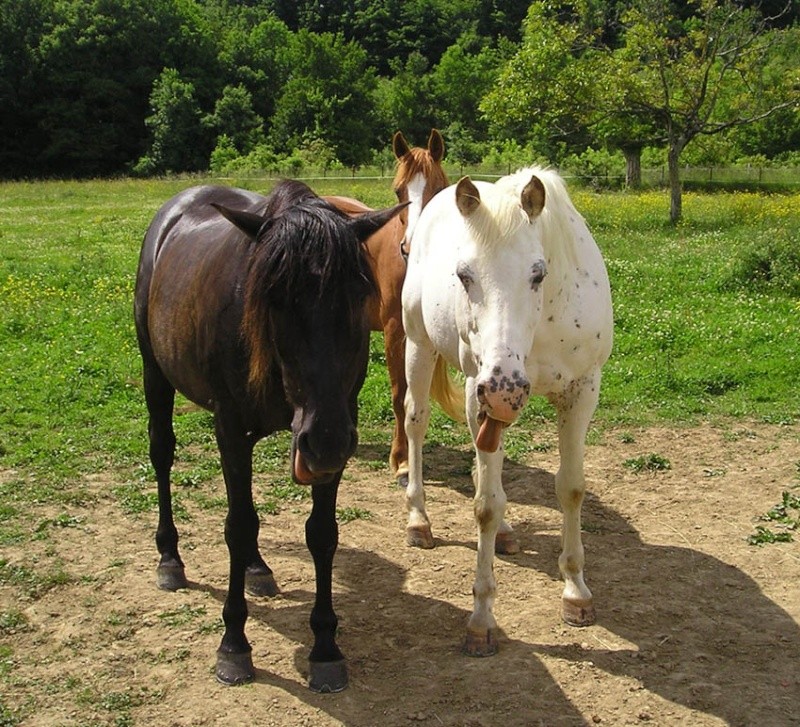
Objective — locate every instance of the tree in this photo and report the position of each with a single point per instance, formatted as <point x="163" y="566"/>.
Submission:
<point x="235" y="118"/>
<point x="466" y="72"/>
<point x="404" y="100"/>
<point x="544" y="94"/>
<point x="329" y="97"/>
<point x="701" y="76"/>
<point x="22" y="25"/>
<point x="667" y="78"/>
<point x="80" y="73"/>
<point x="175" y="126"/>
<point x="253" y="55"/>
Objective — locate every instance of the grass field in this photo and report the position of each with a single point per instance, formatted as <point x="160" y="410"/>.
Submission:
<point x="707" y="327"/>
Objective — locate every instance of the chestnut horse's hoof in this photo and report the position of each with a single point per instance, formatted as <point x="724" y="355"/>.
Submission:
<point x="171" y="577"/>
<point x="327" y="677"/>
<point x="506" y="543"/>
<point x="234" y="669"/>
<point x="260" y="582"/>
<point x="480" y="643"/>
<point x="402" y="480"/>
<point x="419" y="536"/>
<point x="578" y="612"/>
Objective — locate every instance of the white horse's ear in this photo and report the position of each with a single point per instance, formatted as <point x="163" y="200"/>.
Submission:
<point x="468" y="198"/>
<point x="532" y="198"/>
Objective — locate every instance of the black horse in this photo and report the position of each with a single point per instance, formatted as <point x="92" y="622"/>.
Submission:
<point x="254" y="308"/>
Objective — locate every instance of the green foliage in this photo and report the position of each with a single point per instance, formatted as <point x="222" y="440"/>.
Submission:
<point x="175" y="127"/>
<point x="328" y="96"/>
<point x="771" y="263"/>
<point x="235" y="118"/>
<point x="348" y="514"/>
<point x="595" y="167"/>
<point x="648" y="463"/>
<point x="76" y="77"/>
<point x="785" y="517"/>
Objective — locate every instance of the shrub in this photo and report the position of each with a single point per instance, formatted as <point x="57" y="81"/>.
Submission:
<point x="768" y="265"/>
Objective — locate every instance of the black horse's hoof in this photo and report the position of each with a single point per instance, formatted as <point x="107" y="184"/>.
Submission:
<point x="171" y="577"/>
<point x="234" y="669"/>
<point x="258" y="582"/>
<point x="327" y="677"/>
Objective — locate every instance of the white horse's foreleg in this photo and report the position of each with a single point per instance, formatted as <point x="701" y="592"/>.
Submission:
<point x="489" y="507"/>
<point x="575" y="411"/>
<point x="420" y="363"/>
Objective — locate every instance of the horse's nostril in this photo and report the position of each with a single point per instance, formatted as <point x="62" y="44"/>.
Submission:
<point x="481" y="390"/>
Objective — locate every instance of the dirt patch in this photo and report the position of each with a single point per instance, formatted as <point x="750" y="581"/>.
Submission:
<point x="695" y="626"/>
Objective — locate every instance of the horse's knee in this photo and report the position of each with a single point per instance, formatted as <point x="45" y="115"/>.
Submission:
<point x="489" y="511"/>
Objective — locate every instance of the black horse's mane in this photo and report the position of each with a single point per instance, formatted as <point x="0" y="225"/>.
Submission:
<point x="305" y="251"/>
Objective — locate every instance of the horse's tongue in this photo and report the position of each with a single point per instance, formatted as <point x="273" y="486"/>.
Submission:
<point x="488" y="439"/>
<point x="302" y="474"/>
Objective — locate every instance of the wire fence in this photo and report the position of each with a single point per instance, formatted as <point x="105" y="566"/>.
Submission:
<point x="722" y="176"/>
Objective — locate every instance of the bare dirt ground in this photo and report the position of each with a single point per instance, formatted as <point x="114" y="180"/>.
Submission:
<point x="695" y="626"/>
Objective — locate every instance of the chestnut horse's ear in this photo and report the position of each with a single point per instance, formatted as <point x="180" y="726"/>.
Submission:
<point x="370" y="222"/>
<point x="468" y="198"/>
<point x="532" y="198"/>
<point x="436" y="145"/>
<point x="247" y="222"/>
<point x="400" y="146"/>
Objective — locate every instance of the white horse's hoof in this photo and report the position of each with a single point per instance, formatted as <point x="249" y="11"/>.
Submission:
<point x="578" y="612"/>
<point x="480" y="643"/>
<point x="419" y="536"/>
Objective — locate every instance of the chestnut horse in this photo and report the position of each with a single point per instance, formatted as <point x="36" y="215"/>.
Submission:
<point x="418" y="178"/>
<point x="255" y="309"/>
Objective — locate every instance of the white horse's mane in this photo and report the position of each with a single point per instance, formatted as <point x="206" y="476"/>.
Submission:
<point x="497" y="218"/>
<point x="557" y="218"/>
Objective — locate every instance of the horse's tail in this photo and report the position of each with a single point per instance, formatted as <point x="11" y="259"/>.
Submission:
<point x="447" y="391"/>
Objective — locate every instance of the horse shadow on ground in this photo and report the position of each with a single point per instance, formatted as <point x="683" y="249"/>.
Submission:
<point x="705" y="636"/>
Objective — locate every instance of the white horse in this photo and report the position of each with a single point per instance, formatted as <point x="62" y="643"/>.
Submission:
<point x="506" y="282"/>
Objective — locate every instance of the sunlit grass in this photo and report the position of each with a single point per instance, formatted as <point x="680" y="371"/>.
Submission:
<point x="697" y="334"/>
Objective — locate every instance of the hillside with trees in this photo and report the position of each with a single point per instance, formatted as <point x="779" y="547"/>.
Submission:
<point x="109" y="87"/>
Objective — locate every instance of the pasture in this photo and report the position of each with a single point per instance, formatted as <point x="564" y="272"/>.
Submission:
<point x="695" y="440"/>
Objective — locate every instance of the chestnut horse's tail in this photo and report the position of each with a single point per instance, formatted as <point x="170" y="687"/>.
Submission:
<point x="448" y="392"/>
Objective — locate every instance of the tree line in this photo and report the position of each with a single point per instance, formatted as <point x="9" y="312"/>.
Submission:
<point x="103" y="87"/>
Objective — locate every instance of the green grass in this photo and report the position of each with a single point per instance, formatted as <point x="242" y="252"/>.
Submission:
<point x="707" y="324"/>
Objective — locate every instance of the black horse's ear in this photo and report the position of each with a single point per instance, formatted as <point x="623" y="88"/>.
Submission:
<point x="370" y="222"/>
<point x="247" y="222"/>
<point x="400" y="146"/>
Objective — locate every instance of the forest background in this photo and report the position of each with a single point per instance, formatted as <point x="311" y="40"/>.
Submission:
<point x="94" y="88"/>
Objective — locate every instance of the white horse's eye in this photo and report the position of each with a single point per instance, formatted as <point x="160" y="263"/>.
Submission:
<point x="465" y="275"/>
<point x="538" y="271"/>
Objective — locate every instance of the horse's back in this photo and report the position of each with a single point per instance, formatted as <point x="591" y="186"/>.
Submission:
<point x="188" y="291"/>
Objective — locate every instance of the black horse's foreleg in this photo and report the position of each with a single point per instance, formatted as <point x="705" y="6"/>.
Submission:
<point x="328" y="671"/>
<point x="160" y="398"/>
<point x="234" y="660"/>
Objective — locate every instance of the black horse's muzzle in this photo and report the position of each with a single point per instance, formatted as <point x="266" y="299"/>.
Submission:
<point x="320" y="452"/>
